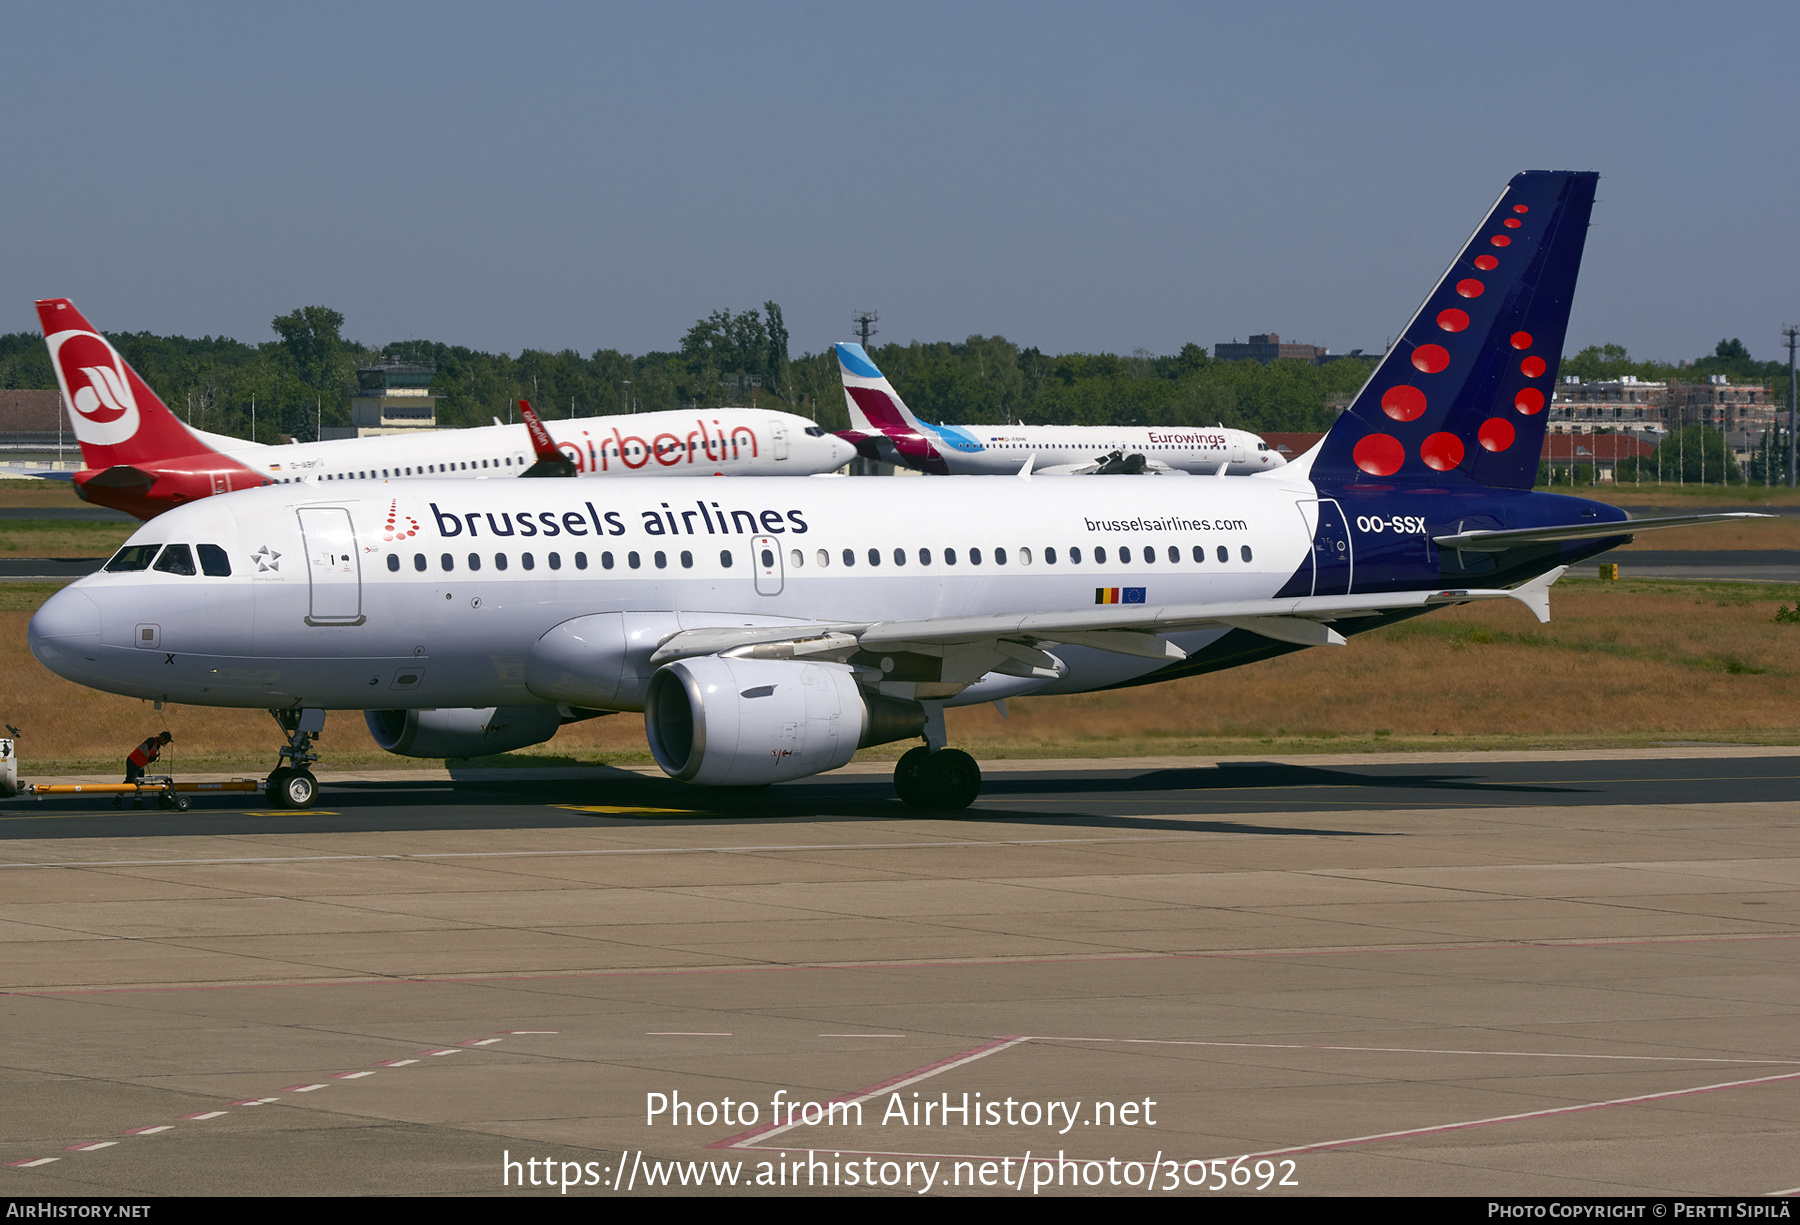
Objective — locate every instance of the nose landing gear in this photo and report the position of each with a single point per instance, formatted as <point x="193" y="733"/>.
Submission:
<point x="291" y="784"/>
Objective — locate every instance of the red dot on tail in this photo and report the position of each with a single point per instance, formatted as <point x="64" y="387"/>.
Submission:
<point x="1442" y="451"/>
<point x="1512" y="223"/>
<point x="1521" y="208"/>
<point x="1529" y="401"/>
<point x="1521" y="340"/>
<point x="1486" y="263"/>
<point x="1379" y="455"/>
<point x="1501" y="240"/>
<point x="1431" y="358"/>
<point x="1533" y="367"/>
<point x="1403" y="403"/>
<point x="1496" y="434"/>
<point x="1453" y="320"/>
<point x="1471" y="288"/>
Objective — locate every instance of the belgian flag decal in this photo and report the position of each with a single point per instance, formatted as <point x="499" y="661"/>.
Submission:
<point x="1118" y="595"/>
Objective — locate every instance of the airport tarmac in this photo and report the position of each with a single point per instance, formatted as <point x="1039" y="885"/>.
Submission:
<point x="1506" y="973"/>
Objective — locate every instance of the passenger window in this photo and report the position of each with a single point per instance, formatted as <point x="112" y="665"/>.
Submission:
<point x="1174" y="553"/>
<point x="949" y="557"/>
<point x="849" y="557"/>
<point x="1224" y="553"/>
<point x="824" y="558"/>
<point x="725" y="558"/>
<point x="1075" y="554"/>
<point x="974" y="557"/>
<point x="633" y="560"/>
<point x="499" y="561"/>
<point x="899" y="557"/>
<point x="394" y="562"/>
<point x="555" y="560"/>
<point x="213" y="562"/>
<point x="662" y="560"/>
<point x="1049" y="555"/>
<point x="528" y="561"/>
<point x="1199" y="552"/>
<point x="924" y="557"/>
<point x="796" y="558"/>
<point x="1149" y="554"/>
<point x="447" y="562"/>
<point x="687" y="560"/>
<point x="999" y="557"/>
<point x="419" y="562"/>
<point x="474" y="561"/>
<point x="1024" y="557"/>
<point x="606" y="560"/>
<point x="1245" y="552"/>
<point x="581" y="561"/>
<point x="874" y="557"/>
<point x="176" y="559"/>
<point x="1100" y="554"/>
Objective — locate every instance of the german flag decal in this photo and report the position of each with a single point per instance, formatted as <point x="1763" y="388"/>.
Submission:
<point x="1118" y="595"/>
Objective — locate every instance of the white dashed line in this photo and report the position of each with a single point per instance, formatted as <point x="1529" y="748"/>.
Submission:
<point x="88" y="1148"/>
<point x="31" y="1161"/>
<point x="205" y="1114"/>
<point x="351" y="1075"/>
<point x="148" y="1131"/>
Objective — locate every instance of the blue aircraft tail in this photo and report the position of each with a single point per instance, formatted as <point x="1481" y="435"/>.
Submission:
<point x="1462" y="394"/>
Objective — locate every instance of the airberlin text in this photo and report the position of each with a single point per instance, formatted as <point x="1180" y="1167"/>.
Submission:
<point x="705" y="519"/>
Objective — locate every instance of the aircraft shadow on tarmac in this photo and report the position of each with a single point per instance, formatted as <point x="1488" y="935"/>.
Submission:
<point x="609" y="797"/>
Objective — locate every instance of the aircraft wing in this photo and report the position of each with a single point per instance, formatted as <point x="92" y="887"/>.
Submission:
<point x="19" y="472"/>
<point x="1498" y="541"/>
<point x="1126" y="628"/>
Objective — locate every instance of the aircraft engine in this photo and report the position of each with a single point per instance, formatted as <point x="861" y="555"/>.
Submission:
<point x="746" y="722"/>
<point x="462" y="732"/>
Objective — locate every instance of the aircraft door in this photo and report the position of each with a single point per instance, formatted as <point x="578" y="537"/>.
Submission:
<point x="332" y="566"/>
<point x="1237" y="451"/>
<point x="765" y="559"/>
<point x="779" y="430"/>
<point x="1333" y="554"/>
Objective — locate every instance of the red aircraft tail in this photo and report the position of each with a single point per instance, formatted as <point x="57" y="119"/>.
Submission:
<point x="117" y="418"/>
<point x="550" y="461"/>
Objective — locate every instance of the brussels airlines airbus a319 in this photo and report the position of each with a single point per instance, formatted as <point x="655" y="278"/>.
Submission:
<point x="143" y="460"/>
<point x="883" y="428"/>
<point x="766" y="629"/>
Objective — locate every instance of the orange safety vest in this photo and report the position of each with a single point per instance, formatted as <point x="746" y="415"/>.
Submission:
<point x="145" y="753"/>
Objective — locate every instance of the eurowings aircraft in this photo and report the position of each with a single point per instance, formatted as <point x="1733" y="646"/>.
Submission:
<point x="143" y="460"/>
<point x="883" y="428"/>
<point x="767" y="629"/>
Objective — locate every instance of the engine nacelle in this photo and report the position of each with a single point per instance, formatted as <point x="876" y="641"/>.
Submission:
<point x="462" y="732"/>
<point x="602" y="660"/>
<point x="746" y="722"/>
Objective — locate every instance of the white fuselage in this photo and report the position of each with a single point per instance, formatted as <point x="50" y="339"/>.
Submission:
<point x="441" y="593"/>
<point x="1003" y="449"/>
<point x="701" y="442"/>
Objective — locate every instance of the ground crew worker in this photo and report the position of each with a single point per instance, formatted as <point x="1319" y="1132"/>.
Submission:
<point x="144" y="754"/>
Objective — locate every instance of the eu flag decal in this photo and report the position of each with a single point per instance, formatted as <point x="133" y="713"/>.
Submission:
<point x="1119" y="595"/>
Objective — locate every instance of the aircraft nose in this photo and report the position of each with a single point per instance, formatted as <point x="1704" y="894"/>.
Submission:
<point x="842" y="452"/>
<point x="64" y="629"/>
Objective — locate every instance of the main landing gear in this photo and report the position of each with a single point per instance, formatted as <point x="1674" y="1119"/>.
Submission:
<point x="934" y="777"/>
<point x="291" y="784"/>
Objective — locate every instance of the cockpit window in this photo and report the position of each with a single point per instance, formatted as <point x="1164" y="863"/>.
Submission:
<point x="176" y="559"/>
<point x="816" y="431"/>
<point x="213" y="561"/>
<point x="132" y="557"/>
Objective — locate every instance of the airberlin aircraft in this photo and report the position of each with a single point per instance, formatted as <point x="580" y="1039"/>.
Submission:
<point x="883" y="428"/>
<point x="143" y="460"/>
<point x="767" y="629"/>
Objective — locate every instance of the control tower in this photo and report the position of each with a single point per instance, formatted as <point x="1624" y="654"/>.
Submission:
<point x="392" y="398"/>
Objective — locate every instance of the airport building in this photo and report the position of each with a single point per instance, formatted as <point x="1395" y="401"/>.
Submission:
<point x="1652" y="410"/>
<point x="392" y="398"/>
<point x="34" y="430"/>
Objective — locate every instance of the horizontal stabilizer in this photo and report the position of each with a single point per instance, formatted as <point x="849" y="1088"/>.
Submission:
<point x="1499" y="541"/>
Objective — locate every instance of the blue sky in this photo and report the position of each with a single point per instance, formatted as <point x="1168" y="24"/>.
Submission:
<point x="1073" y="177"/>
